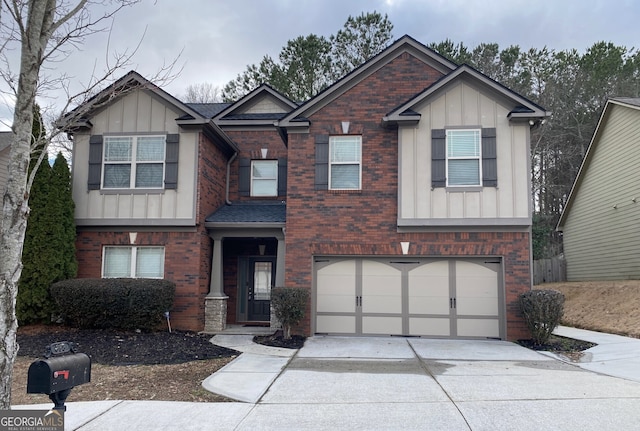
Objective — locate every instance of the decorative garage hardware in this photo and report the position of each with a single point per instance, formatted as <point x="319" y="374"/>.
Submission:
<point x="62" y="370"/>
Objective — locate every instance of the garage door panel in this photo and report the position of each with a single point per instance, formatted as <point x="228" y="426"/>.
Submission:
<point x="478" y="328"/>
<point x="427" y="326"/>
<point x="429" y="305"/>
<point x="336" y="288"/>
<point x="382" y="325"/>
<point x="381" y="288"/>
<point x="336" y="324"/>
<point x="429" y="289"/>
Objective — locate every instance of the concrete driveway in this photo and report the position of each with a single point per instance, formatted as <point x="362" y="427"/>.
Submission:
<point x="411" y="383"/>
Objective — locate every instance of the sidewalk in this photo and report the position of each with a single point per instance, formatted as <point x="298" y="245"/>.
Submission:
<point x="614" y="355"/>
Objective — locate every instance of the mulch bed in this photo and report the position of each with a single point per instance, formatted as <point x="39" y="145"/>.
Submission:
<point x="117" y="347"/>
<point x="277" y="340"/>
<point x="558" y="344"/>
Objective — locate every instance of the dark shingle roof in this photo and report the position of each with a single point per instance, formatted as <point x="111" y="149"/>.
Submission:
<point x="261" y="116"/>
<point x="208" y="110"/>
<point x="628" y="100"/>
<point x="249" y="212"/>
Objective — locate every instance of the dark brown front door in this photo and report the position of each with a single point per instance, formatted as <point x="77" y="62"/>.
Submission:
<point x="261" y="277"/>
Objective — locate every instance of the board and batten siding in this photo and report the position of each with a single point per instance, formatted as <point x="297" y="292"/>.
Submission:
<point x="602" y="229"/>
<point x="4" y="167"/>
<point x="463" y="105"/>
<point x="136" y="113"/>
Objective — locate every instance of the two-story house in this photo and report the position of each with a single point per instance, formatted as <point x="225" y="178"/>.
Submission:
<point x="399" y="197"/>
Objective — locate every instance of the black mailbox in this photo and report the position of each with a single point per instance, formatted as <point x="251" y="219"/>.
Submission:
<point x="57" y="375"/>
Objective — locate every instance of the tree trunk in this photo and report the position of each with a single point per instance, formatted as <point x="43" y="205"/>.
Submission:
<point x="15" y="208"/>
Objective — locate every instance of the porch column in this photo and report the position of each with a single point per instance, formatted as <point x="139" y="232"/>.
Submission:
<point x="280" y="253"/>
<point x="215" y="306"/>
<point x="279" y="282"/>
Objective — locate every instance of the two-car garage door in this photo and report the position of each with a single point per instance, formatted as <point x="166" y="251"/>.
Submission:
<point x="416" y="297"/>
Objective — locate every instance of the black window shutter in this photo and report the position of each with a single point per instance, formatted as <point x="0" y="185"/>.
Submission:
<point x="282" y="176"/>
<point x="322" y="162"/>
<point x="171" y="161"/>
<point x="438" y="158"/>
<point x="489" y="158"/>
<point x="244" y="176"/>
<point x="95" y="162"/>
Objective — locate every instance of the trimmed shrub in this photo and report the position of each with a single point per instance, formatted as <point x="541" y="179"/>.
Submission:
<point x="289" y="305"/>
<point x="542" y="311"/>
<point x="124" y="303"/>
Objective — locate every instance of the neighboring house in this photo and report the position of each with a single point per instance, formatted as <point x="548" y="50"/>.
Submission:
<point x="399" y="197"/>
<point x="601" y="220"/>
<point x="5" y="147"/>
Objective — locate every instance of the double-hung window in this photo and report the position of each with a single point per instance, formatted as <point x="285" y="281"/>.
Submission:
<point x="464" y="158"/>
<point x="345" y="162"/>
<point x="133" y="162"/>
<point x="264" y="178"/>
<point x="133" y="262"/>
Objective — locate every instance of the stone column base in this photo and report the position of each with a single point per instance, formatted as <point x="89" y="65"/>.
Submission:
<point x="215" y="314"/>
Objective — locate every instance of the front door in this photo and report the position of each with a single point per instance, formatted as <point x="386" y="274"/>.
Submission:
<point x="261" y="276"/>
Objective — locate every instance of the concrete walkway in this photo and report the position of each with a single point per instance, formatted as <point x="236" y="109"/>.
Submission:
<point x="395" y="383"/>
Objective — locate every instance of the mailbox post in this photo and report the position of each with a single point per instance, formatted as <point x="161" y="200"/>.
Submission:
<point x="61" y="370"/>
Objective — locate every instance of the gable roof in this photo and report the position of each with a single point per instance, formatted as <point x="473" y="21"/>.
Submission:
<point x="629" y="102"/>
<point x="240" y="112"/>
<point x="523" y="109"/>
<point x="298" y="117"/>
<point x="79" y="117"/>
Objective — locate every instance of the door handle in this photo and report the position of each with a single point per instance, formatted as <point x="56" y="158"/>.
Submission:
<point x="452" y="302"/>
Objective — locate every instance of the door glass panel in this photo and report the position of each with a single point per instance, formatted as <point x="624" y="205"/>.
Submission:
<point x="262" y="281"/>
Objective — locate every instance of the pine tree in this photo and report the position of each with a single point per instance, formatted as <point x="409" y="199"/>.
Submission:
<point x="61" y="212"/>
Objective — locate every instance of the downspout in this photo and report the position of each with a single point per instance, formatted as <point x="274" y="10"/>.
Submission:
<point x="228" y="175"/>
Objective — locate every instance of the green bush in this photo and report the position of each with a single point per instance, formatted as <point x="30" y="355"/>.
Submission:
<point x="542" y="311"/>
<point x="289" y="305"/>
<point x="123" y="303"/>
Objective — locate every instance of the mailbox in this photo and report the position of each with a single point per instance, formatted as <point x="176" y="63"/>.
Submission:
<point x="48" y="376"/>
<point x="58" y="373"/>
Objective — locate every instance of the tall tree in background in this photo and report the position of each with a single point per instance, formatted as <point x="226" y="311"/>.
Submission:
<point x="204" y="92"/>
<point x="309" y="64"/>
<point x="43" y="30"/>
<point x="361" y="38"/>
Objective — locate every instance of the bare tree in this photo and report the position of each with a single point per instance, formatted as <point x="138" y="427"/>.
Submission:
<point x="204" y="92"/>
<point x="45" y="31"/>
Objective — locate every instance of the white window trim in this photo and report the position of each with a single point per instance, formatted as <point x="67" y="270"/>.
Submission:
<point x="275" y="162"/>
<point x="478" y="157"/>
<point x="134" y="251"/>
<point x="133" y="163"/>
<point x="359" y="163"/>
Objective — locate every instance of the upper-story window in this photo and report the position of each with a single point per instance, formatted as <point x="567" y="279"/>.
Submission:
<point x="464" y="158"/>
<point x="264" y="178"/>
<point x="133" y="162"/>
<point x="345" y="162"/>
<point x="133" y="262"/>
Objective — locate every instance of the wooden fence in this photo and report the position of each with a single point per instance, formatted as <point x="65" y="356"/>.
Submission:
<point x="552" y="270"/>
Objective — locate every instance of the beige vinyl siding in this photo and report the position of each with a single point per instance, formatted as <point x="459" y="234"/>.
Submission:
<point x="137" y="113"/>
<point x="464" y="105"/>
<point x="600" y="241"/>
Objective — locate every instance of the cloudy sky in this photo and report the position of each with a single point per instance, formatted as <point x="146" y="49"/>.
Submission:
<point x="214" y="40"/>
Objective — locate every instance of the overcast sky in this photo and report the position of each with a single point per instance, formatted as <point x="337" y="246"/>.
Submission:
<point x="215" y="39"/>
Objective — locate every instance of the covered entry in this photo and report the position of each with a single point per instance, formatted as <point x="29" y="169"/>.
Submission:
<point x="412" y="297"/>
